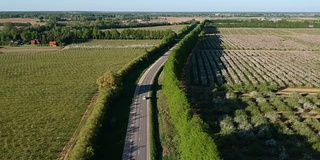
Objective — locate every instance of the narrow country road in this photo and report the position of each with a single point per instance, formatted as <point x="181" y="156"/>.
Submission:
<point x="137" y="142"/>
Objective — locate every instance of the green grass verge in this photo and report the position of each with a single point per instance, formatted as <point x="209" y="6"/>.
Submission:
<point x="155" y="146"/>
<point x="165" y="139"/>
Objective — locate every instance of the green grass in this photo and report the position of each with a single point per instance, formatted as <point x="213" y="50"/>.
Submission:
<point x="166" y="146"/>
<point x="43" y="97"/>
<point x="155" y="144"/>
<point x="175" y="28"/>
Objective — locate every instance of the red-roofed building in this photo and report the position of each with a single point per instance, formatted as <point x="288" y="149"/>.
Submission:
<point x="53" y="43"/>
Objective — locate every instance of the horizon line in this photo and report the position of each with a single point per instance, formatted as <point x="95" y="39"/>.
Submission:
<point x="165" y="11"/>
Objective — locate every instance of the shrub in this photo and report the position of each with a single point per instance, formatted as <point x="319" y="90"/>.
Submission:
<point x="227" y="126"/>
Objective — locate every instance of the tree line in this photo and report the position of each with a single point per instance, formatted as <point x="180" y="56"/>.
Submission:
<point x="65" y="35"/>
<point x="194" y="142"/>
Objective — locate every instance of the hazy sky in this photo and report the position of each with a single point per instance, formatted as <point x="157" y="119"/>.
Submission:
<point x="163" y="5"/>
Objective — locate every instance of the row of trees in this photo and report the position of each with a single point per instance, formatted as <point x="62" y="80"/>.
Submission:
<point x="65" y="35"/>
<point x="195" y="143"/>
<point x="78" y="16"/>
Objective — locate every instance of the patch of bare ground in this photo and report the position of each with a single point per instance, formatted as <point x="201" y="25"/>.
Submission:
<point x="288" y="91"/>
<point x="33" y="21"/>
<point x="66" y="149"/>
<point x="172" y="20"/>
<point x="309" y="114"/>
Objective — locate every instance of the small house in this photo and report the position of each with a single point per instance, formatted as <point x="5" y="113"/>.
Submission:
<point x="53" y="43"/>
<point x="35" y="42"/>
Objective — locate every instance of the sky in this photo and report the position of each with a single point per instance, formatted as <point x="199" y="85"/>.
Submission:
<point x="163" y="5"/>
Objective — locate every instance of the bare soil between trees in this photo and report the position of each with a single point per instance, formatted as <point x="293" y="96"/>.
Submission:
<point x="288" y="91"/>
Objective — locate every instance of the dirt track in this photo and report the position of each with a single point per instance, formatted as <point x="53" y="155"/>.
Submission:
<point x="306" y="90"/>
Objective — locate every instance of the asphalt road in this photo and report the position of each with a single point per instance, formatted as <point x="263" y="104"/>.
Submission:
<point x="137" y="142"/>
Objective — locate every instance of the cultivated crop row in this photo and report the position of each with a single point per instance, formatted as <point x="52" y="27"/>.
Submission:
<point x="255" y="67"/>
<point x="269" y="31"/>
<point x="271" y="123"/>
<point x="248" y="118"/>
<point x="44" y="95"/>
<point x="265" y="42"/>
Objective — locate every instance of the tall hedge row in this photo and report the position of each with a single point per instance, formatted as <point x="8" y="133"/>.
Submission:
<point x="195" y="143"/>
<point x="187" y="29"/>
<point x="110" y="87"/>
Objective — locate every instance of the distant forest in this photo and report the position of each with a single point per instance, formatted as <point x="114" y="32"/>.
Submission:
<point x="67" y="27"/>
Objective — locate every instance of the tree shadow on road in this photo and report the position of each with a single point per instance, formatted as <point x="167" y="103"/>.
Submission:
<point x="111" y="137"/>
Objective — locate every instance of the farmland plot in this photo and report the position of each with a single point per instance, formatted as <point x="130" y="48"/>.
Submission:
<point x="238" y="83"/>
<point x="270" y="39"/>
<point x="268" y="42"/>
<point x="109" y="44"/>
<point x="44" y="95"/>
<point x="269" y="31"/>
<point x="175" y="28"/>
<point x="283" y="68"/>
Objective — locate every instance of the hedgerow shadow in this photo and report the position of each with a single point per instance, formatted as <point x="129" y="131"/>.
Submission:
<point x="226" y="114"/>
<point x="111" y="137"/>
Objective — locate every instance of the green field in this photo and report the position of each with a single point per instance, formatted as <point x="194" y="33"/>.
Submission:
<point x="44" y="95"/>
<point x="167" y="134"/>
<point x="175" y="28"/>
